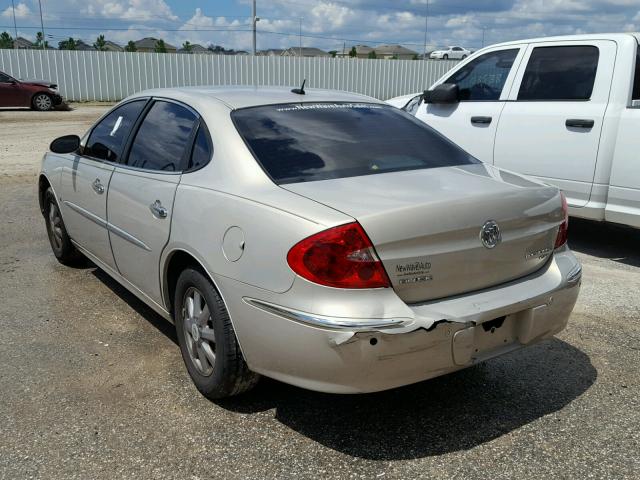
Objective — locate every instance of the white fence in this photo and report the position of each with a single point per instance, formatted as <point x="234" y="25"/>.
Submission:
<point x="109" y="76"/>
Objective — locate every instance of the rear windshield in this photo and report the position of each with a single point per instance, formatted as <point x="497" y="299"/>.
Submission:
<point x="301" y="142"/>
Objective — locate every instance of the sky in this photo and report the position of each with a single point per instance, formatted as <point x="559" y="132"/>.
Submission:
<point x="325" y="24"/>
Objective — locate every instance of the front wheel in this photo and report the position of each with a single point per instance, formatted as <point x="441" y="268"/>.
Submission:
<point x="60" y="242"/>
<point x="42" y="102"/>
<point x="207" y="340"/>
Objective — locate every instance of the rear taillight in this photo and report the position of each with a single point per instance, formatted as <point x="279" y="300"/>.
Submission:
<point x="563" y="231"/>
<point x="341" y="257"/>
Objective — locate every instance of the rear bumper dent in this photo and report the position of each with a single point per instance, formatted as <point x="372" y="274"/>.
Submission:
<point x="351" y="355"/>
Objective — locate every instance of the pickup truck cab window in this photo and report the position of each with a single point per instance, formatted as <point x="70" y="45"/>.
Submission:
<point x="162" y="140"/>
<point x="108" y="138"/>
<point x="635" y="94"/>
<point x="560" y="73"/>
<point x="484" y="77"/>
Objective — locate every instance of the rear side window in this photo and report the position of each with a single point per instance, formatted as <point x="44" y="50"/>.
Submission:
<point x="316" y="141"/>
<point x="110" y="135"/>
<point x="560" y="73"/>
<point x="202" y="149"/>
<point x="162" y="140"/>
<point x="4" y="78"/>
<point x="484" y="77"/>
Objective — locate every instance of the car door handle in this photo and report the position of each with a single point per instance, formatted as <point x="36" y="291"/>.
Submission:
<point x="97" y="186"/>
<point x="481" y="120"/>
<point x="158" y="210"/>
<point x="579" y="123"/>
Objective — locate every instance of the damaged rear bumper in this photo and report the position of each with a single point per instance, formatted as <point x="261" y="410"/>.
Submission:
<point x="350" y="355"/>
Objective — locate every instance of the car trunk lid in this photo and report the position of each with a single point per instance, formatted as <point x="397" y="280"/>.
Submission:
<point x="426" y="225"/>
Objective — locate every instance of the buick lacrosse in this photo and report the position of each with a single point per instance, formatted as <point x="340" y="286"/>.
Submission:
<point x="321" y="238"/>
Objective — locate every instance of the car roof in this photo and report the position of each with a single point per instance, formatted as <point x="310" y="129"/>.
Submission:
<point x="584" y="37"/>
<point x="251" y="96"/>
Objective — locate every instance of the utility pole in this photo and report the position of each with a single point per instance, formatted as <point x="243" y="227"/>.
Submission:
<point x="426" y="29"/>
<point x="15" y="25"/>
<point x="300" y="39"/>
<point x="254" y="20"/>
<point x="41" y="23"/>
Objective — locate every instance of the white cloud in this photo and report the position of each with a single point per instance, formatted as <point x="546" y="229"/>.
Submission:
<point x="22" y="11"/>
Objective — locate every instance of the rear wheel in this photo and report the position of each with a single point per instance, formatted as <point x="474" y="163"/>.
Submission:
<point x="60" y="242"/>
<point x="445" y="57"/>
<point x="464" y="56"/>
<point x="42" y="102"/>
<point x="207" y="340"/>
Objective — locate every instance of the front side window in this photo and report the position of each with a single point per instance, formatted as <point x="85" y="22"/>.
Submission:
<point x="484" y="77"/>
<point x="560" y="73"/>
<point x="162" y="140"/>
<point x="301" y="142"/>
<point x="108" y="138"/>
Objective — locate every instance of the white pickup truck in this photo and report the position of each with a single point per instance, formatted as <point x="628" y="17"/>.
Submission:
<point x="563" y="109"/>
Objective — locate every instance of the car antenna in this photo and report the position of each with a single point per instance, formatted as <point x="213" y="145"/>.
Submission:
<point x="299" y="91"/>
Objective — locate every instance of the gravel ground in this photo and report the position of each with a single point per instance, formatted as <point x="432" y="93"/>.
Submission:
<point x="92" y="384"/>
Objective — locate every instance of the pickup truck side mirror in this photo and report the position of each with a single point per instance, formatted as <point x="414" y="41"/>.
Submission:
<point x="443" y="93"/>
<point x="66" y="144"/>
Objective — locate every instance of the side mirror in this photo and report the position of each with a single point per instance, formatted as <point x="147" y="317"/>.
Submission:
<point x="443" y="93"/>
<point x="66" y="144"/>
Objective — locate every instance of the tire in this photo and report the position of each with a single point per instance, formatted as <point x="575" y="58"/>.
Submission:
<point x="42" y="102"/>
<point x="445" y="57"/>
<point x="59" y="240"/>
<point x="225" y="373"/>
<point x="463" y="57"/>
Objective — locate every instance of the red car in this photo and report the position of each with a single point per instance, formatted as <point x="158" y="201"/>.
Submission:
<point x="36" y="94"/>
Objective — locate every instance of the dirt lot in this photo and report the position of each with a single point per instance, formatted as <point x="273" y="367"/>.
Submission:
<point x="92" y="384"/>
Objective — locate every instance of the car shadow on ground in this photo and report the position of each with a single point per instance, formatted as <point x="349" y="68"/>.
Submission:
<point x="447" y="414"/>
<point x="605" y="240"/>
<point x="144" y="310"/>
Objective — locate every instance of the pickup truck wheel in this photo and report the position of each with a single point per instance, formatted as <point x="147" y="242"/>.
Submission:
<point x="42" y="102"/>
<point x="207" y="340"/>
<point x="60" y="242"/>
<point x="445" y="57"/>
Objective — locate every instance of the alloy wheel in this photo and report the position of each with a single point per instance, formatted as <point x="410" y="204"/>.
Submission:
<point x="198" y="331"/>
<point x="43" y="102"/>
<point x="55" y="225"/>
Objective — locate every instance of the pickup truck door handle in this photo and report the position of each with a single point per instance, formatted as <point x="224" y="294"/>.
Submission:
<point x="481" y="120"/>
<point x="579" y="123"/>
<point x="158" y="210"/>
<point x="97" y="186"/>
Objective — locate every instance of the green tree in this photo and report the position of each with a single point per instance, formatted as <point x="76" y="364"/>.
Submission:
<point x="40" y="41"/>
<point x="70" y="44"/>
<point x="333" y="53"/>
<point x="415" y="57"/>
<point x="372" y="55"/>
<point x="187" y="47"/>
<point x="160" y="47"/>
<point x="131" y="46"/>
<point x="100" y="44"/>
<point x="353" y="53"/>
<point x="5" y="40"/>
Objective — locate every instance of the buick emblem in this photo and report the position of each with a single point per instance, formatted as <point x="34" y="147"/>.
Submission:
<point x="490" y="235"/>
